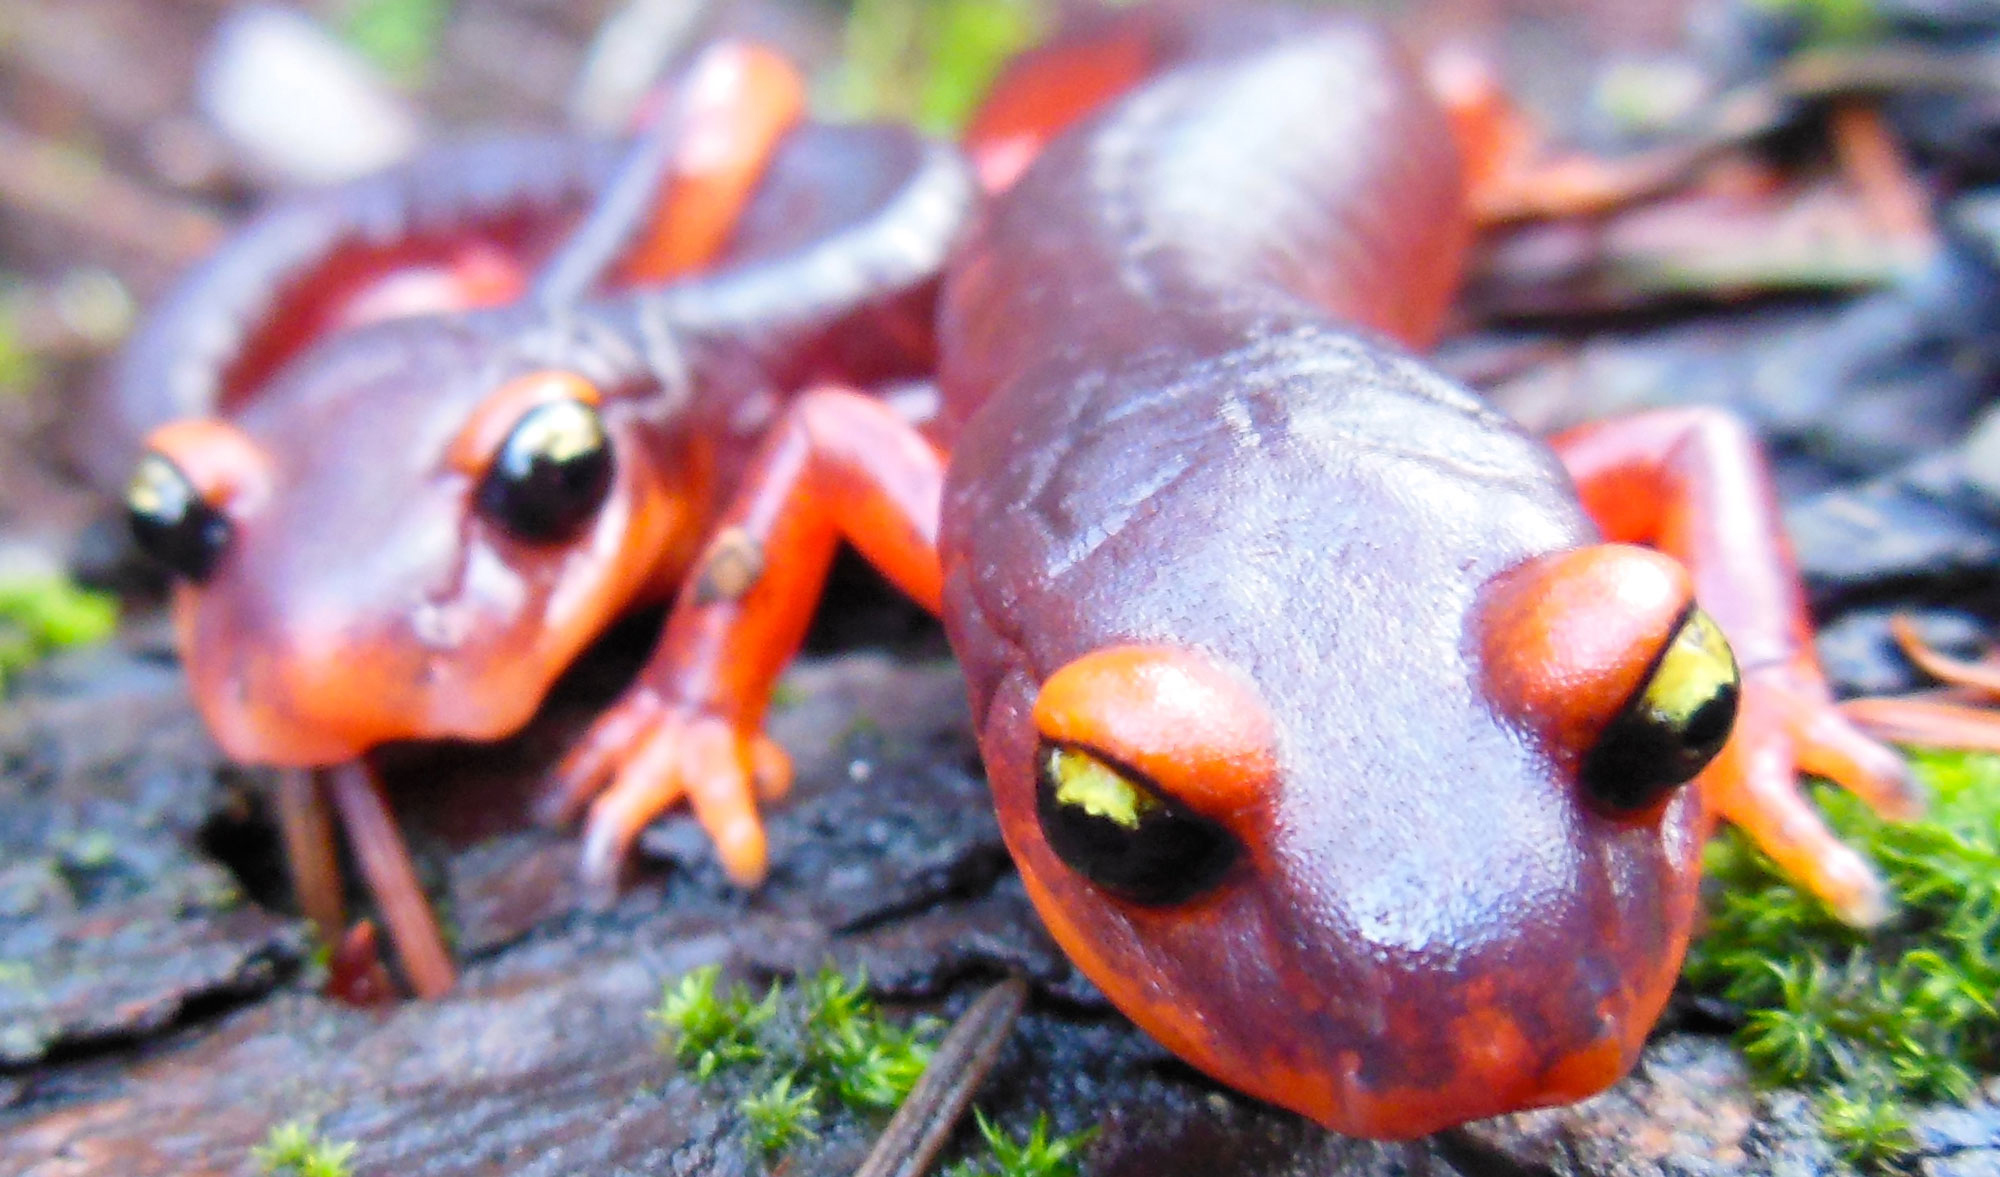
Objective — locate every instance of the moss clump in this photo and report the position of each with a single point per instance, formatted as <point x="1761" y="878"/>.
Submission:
<point x="1040" y="1155"/>
<point x="1871" y="1023"/>
<point x="20" y="367"/>
<point x="43" y="614"/>
<point x="778" y="1117"/>
<point x="295" y="1150"/>
<point x="803" y="1050"/>
<point x="709" y="1030"/>
<point x="868" y="1062"/>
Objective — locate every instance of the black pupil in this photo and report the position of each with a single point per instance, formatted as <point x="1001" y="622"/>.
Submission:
<point x="1172" y="856"/>
<point x="1639" y="759"/>
<point x="1708" y="728"/>
<point x="551" y="473"/>
<point x="171" y="522"/>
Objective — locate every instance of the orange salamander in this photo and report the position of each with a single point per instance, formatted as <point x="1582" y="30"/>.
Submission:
<point x="1343" y="732"/>
<point x="499" y="402"/>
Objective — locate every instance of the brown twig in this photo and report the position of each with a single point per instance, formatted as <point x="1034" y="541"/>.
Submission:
<point x="385" y="860"/>
<point x="306" y="822"/>
<point x="924" y="1122"/>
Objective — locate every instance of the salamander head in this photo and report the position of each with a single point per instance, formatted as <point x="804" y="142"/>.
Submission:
<point x="1493" y="923"/>
<point x="405" y="538"/>
<point x="1364" y="800"/>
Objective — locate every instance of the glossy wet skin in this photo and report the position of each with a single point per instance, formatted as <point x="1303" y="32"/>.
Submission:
<point x="365" y="596"/>
<point x="1218" y="559"/>
<point x="1427" y="921"/>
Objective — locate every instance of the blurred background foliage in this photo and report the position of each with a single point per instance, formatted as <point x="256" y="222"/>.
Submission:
<point x="922" y="61"/>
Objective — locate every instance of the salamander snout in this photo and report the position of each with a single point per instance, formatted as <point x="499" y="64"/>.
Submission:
<point x="310" y="646"/>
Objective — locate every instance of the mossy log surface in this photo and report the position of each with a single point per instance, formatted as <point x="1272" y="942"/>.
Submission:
<point x="160" y="1018"/>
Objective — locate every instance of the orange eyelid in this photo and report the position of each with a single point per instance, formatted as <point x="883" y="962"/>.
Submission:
<point x="226" y="468"/>
<point x="487" y="427"/>
<point x="1566" y="638"/>
<point x="1186" y="722"/>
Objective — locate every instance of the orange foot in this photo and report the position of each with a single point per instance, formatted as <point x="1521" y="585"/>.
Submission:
<point x="643" y="757"/>
<point x="1788" y="723"/>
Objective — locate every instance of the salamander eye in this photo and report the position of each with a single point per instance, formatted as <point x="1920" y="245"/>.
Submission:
<point x="1124" y="835"/>
<point x="1674" y="725"/>
<point x="171" y="522"/>
<point x="551" y="474"/>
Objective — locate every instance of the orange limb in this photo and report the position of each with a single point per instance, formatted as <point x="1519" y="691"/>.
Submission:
<point x="1493" y="135"/>
<point x="392" y="878"/>
<point x="307" y="826"/>
<point x="1875" y="164"/>
<point x="1044" y="91"/>
<point x="1963" y="717"/>
<point x="1693" y="483"/>
<point x="1981" y="677"/>
<point x="837" y="465"/>
<point x="1928" y="723"/>
<point x="739" y="101"/>
<point x="1511" y="172"/>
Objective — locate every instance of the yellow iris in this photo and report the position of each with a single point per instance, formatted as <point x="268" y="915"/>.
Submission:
<point x="1089" y="784"/>
<point x="1697" y="666"/>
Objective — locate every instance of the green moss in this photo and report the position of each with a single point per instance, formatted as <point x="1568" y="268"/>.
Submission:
<point x="710" y="1031"/>
<point x="296" y="1150"/>
<point x="1871" y="1023"/>
<point x="804" y="1051"/>
<point x="870" y="1062"/>
<point x="1040" y="1155"/>
<point x="820" y="1047"/>
<point x="778" y="1117"/>
<point x="86" y="850"/>
<point x="823" y="1031"/>
<point x="43" y="614"/>
<point x="930" y="61"/>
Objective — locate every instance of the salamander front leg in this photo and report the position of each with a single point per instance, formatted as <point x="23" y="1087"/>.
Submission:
<point x="1693" y="483"/>
<point x="837" y="465"/>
